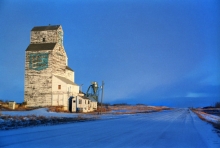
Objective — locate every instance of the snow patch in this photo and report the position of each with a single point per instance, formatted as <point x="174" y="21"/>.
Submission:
<point x="209" y="117"/>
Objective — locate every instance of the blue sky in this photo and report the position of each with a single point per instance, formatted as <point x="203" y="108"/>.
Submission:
<point x="155" y="52"/>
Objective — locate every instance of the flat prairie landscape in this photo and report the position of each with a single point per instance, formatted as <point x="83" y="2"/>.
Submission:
<point x="168" y="128"/>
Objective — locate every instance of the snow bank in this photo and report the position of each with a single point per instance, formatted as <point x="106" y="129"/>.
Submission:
<point x="17" y="119"/>
<point x="209" y="117"/>
<point x="39" y="112"/>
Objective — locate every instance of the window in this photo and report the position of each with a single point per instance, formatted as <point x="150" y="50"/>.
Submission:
<point x="88" y="102"/>
<point x="44" y="40"/>
<point x="59" y="86"/>
<point x="80" y="101"/>
<point x="74" y="101"/>
<point x="85" y="101"/>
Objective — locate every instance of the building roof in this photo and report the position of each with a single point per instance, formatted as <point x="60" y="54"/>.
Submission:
<point x="87" y="98"/>
<point x="84" y="97"/>
<point x="67" y="81"/>
<point x="44" y="46"/>
<point x="67" y="67"/>
<point x="92" y="99"/>
<point x="43" y="28"/>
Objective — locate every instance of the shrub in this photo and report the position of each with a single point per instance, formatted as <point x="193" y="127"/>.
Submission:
<point x="217" y="104"/>
<point x="121" y="104"/>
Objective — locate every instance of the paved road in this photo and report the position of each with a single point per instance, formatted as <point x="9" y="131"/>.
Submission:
<point x="175" y="128"/>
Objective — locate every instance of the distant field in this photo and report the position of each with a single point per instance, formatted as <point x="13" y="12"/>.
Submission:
<point x="132" y="109"/>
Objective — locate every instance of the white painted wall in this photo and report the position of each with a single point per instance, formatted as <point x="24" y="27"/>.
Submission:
<point x="72" y="89"/>
<point x="61" y="96"/>
<point x="85" y="104"/>
<point x="70" y="75"/>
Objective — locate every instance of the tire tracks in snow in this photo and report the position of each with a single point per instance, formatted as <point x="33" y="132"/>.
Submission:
<point x="165" y="129"/>
<point x="44" y="134"/>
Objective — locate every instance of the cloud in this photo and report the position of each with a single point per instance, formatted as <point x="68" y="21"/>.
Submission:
<point x="196" y="95"/>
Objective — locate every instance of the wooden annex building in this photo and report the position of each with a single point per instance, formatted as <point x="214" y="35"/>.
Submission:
<point x="49" y="81"/>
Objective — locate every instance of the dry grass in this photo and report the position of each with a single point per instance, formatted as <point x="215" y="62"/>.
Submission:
<point x="22" y="107"/>
<point x="56" y="109"/>
<point x="19" y="108"/>
<point x="103" y="109"/>
<point x="129" y="109"/>
<point x="3" y="108"/>
<point x="199" y="115"/>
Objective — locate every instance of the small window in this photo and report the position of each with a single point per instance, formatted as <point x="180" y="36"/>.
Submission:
<point x="59" y="86"/>
<point x="85" y="101"/>
<point x="88" y="102"/>
<point x="74" y="101"/>
<point x="80" y="101"/>
<point x="44" y="40"/>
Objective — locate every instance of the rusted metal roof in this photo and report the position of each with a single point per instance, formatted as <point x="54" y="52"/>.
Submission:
<point x="44" y="46"/>
<point x="43" y="28"/>
<point x="67" y="67"/>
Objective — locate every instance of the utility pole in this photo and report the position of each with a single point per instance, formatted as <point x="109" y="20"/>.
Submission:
<point x="102" y="96"/>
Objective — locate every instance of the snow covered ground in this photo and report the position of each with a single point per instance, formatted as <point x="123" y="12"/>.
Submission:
<point x="20" y="119"/>
<point x="171" y="128"/>
<point x="38" y="112"/>
<point x="209" y="117"/>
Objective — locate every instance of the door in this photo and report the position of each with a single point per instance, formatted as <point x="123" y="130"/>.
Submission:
<point x="74" y="105"/>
